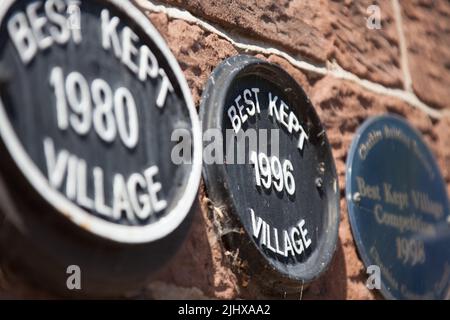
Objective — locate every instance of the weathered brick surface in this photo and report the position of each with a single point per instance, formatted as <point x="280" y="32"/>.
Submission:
<point x="197" y="51"/>
<point x="427" y="31"/>
<point x="319" y="30"/>
<point x="283" y="22"/>
<point x="369" y="53"/>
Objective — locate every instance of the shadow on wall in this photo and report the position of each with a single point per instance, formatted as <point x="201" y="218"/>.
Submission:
<point x="200" y="269"/>
<point x="203" y="269"/>
<point x="333" y="283"/>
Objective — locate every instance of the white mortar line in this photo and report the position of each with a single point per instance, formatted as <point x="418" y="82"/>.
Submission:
<point x="331" y="68"/>
<point x="407" y="80"/>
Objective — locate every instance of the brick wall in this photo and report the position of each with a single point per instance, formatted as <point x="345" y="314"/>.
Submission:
<point x="349" y="71"/>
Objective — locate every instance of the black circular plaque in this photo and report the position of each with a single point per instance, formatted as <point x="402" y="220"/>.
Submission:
<point x="90" y="96"/>
<point x="399" y="210"/>
<point x="282" y="190"/>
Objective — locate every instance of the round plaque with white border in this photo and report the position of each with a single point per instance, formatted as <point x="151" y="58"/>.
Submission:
<point x="90" y="96"/>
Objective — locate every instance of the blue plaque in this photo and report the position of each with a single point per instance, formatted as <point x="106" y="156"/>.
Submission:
<point x="399" y="210"/>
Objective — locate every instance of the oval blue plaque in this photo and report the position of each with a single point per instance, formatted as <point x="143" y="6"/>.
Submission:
<point x="399" y="211"/>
